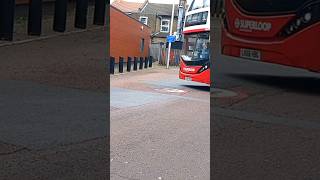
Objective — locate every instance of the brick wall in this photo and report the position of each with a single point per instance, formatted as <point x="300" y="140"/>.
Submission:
<point x="126" y="34"/>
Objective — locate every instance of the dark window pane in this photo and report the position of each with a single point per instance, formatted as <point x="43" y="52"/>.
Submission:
<point x="270" y="6"/>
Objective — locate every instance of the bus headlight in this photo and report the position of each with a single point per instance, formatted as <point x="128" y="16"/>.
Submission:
<point x="307" y="16"/>
<point x="204" y="67"/>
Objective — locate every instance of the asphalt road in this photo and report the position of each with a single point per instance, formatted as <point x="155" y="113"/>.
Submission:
<point x="53" y="106"/>
<point x="160" y="126"/>
<point x="268" y="128"/>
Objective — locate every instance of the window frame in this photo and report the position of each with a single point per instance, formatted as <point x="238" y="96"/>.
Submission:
<point x="144" y="17"/>
<point x="168" y="26"/>
<point x="205" y="4"/>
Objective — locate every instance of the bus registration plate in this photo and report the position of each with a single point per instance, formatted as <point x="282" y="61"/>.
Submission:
<point x="250" y="54"/>
<point x="188" y="79"/>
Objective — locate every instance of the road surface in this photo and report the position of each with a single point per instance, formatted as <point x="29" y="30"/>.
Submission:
<point x="160" y="126"/>
<point x="53" y="108"/>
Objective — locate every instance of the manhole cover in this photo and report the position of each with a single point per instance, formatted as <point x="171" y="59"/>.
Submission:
<point x="220" y="93"/>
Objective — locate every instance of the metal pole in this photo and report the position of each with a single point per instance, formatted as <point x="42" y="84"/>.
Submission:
<point x="180" y="19"/>
<point x="171" y="26"/>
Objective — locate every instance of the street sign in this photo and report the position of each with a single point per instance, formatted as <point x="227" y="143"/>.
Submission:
<point x="171" y="38"/>
<point x="175" y="45"/>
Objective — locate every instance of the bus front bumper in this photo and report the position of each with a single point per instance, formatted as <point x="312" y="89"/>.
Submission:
<point x="203" y="77"/>
<point x="299" y="50"/>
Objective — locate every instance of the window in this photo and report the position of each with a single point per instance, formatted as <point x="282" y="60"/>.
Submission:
<point x="197" y="19"/>
<point x="197" y="4"/>
<point x="164" y="25"/>
<point x="144" y="20"/>
<point x="197" y="46"/>
<point x="142" y="45"/>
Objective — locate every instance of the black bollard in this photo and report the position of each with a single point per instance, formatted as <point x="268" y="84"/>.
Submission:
<point x="81" y="14"/>
<point x="150" y="61"/>
<point x="112" y="62"/>
<point x="141" y="63"/>
<point x="60" y="15"/>
<point x="129" y="64"/>
<point x="135" y="64"/>
<point x="121" y="65"/>
<point x="7" y="8"/>
<point x="99" y="12"/>
<point x="146" y="62"/>
<point x="35" y="17"/>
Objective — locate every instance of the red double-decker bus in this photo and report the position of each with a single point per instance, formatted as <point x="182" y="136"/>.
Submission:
<point x="284" y="32"/>
<point x="195" y="61"/>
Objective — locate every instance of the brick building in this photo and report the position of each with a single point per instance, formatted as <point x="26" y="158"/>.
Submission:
<point x="158" y="17"/>
<point x="155" y="15"/>
<point x="128" y="36"/>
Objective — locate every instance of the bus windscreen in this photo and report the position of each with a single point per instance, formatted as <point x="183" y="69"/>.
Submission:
<point x="271" y="7"/>
<point x="197" y="4"/>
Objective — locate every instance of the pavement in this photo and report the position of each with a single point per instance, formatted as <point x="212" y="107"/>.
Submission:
<point x="54" y="108"/>
<point x="160" y="126"/>
<point x="268" y="128"/>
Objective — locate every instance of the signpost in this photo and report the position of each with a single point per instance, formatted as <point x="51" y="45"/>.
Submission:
<point x="171" y="26"/>
<point x="171" y="39"/>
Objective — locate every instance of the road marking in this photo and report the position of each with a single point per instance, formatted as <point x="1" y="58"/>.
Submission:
<point x="171" y="90"/>
<point x="264" y="118"/>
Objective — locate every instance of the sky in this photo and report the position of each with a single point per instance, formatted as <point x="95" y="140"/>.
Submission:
<point x="155" y="1"/>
